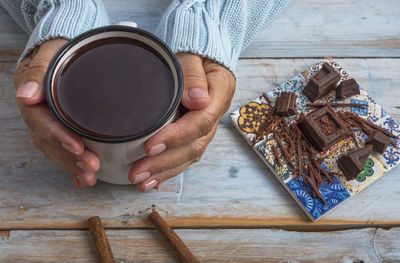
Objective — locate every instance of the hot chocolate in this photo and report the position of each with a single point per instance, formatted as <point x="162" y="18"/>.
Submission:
<point x="114" y="88"/>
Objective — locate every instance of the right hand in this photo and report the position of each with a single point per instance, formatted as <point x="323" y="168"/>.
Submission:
<point x="62" y="146"/>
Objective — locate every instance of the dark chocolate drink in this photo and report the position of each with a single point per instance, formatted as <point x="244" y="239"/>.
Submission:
<point x="114" y="87"/>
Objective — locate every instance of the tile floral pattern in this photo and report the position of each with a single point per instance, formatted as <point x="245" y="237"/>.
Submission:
<point x="249" y="117"/>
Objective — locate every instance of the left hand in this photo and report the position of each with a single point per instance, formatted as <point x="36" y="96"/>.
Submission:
<point x="208" y="91"/>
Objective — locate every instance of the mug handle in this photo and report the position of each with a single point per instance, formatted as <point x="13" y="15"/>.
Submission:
<point x="127" y="23"/>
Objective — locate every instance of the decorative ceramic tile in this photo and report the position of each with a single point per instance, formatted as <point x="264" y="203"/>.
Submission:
<point x="249" y="117"/>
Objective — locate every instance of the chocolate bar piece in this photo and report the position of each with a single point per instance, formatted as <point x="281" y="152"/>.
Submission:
<point x="286" y="104"/>
<point x="323" y="128"/>
<point x="347" y="89"/>
<point x="322" y="82"/>
<point x="353" y="163"/>
<point x="379" y="141"/>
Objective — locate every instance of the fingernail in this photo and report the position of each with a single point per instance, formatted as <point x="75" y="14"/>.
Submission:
<point x="150" y="185"/>
<point x="157" y="149"/>
<point x="81" y="180"/>
<point x="197" y="94"/>
<point x="28" y="90"/>
<point x="141" y="177"/>
<point x="83" y="165"/>
<point x="69" y="148"/>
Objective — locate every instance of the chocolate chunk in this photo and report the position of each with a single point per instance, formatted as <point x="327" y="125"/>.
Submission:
<point x="379" y="141"/>
<point x="323" y="128"/>
<point x="286" y="104"/>
<point x="347" y="89"/>
<point x="352" y="163"/>
<point x="322" y="82"/>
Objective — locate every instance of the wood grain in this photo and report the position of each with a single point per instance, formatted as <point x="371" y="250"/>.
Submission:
<point x="211" y="245"/>
<point x="307" y="28"/>
<point x="229" y="187"/>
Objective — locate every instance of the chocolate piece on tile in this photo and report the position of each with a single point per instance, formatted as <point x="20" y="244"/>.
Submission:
<point x="379" y="141"/>
<point x="286" y="104"/>
<point x="322" y="82"/>
<point x="352" y="163"/>
<point x="323" y="128"/>
<point x="347" y="89"/>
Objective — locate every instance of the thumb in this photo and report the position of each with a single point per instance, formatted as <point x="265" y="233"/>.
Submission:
<point x="195" y="94"/>
<point x="30" y="75"/>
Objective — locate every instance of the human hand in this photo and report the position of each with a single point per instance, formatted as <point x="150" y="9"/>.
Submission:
<point x="59" y="144"/>
<point x="208" y="91"/>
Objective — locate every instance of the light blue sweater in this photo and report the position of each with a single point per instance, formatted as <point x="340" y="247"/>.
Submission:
<point x="217" y="29"/>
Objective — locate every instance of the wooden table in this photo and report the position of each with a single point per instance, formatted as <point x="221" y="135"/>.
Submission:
<point x="228" y="207"/>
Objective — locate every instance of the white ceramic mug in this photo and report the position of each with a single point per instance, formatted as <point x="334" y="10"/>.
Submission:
<point x="117" y="154"/>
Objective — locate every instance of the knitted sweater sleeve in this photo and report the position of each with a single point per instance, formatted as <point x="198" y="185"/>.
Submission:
<point x="47" y="19"/>
<point x="217" y="29"/>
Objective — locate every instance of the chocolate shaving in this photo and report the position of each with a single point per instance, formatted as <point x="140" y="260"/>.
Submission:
<point x="287" y="139"/>
<point x="276" y="154"/>
<point x="333" y="104"/>
<point x="285" y="153"/>
<point x="393" y="144"/>
<point x="267" y="99"/>
<point x="374" y="126"/>
<point x="299" y="157"/>
<point x="311" y="180"/>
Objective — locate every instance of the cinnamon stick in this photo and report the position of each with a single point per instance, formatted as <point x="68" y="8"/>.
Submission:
<point x="100" y="239"/>
<point x="173" y="239"/>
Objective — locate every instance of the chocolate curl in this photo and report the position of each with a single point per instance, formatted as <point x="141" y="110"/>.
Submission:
<point x="276" y="154"/>
<point x="368" y="130"/>
<point x="314" y="186"/>
<point x="289" y="143"/>
<point x="361" y="126"/>
<point x="333" y="173"/>
<point x="255" y="140"/>
<point x="393" y="144"/>
<point x="370" y="124"/>
<point x="302" y="135"/>
<point x="347" y="123"/>
<point x="288" y="137"/>
<point x="264" y="126"/>
<point x="285" y="153"/>
<point x="269" y="125"/>
<point x="322" y="170"/>
<point x="267" y="99"/>
<point x="332" y="104"/>
<point x="299" y="157"/>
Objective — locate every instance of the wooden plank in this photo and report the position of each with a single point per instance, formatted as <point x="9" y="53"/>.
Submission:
<point x="308" y="28"/>
<point x="230" y="186"/>
<point x="388" y="251"/>
<point x="217" y="245"/>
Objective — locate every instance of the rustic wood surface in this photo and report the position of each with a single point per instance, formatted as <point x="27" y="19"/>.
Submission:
<point x="367" y="245"/>
<point x="308" y="28"/>
<point x="229" y="187"/>
<point x="42" y="216"/>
